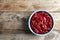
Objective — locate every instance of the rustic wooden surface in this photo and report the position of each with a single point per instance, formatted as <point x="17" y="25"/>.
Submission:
<point x="14" y="16"/>
<point x="31" y="5"/>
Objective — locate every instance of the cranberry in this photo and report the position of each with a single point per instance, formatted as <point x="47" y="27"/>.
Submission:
<point x="41" y="22"/>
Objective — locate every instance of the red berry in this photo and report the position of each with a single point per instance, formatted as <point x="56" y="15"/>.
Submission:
<point x="41" y="22"/>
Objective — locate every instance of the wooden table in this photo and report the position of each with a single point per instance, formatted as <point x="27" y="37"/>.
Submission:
<point x="14" y="17"/>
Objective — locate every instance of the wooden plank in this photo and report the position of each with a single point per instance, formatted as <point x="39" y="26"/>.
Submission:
<point x="30" y="5"/>
<point x="11" y="22"/>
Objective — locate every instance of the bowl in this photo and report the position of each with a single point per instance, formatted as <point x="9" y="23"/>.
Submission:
<point x="37" y="18"/>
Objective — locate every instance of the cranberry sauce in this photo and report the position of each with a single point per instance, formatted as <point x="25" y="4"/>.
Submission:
<point x="41" y="22"/>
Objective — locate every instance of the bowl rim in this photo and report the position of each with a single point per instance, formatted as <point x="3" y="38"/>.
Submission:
<point x="29" y="26"/>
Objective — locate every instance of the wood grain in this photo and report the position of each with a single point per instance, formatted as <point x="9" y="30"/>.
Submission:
<point x="14" y="22"/>
<point x="29" y="5"/>
<point x="14" y="14"/>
